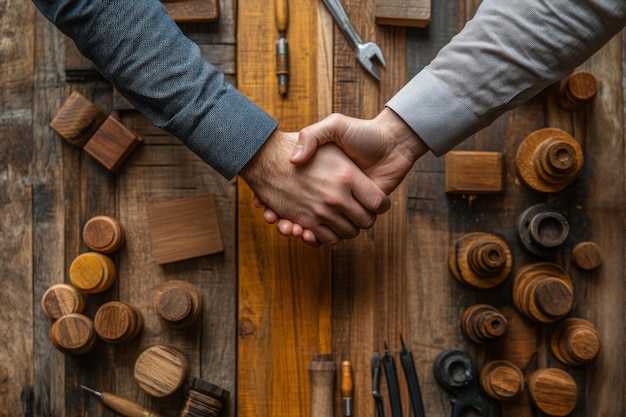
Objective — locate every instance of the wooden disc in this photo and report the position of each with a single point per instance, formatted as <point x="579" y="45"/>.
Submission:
<point x="553" y="391"/>
<point x="92" y="272"/>
<point x="587" y="255"/>
<point x="117" y="322"/>
<point x="73" y="334"/>
<point x="575" y="341"/>
<point x="160" y="370"/>
<point x="103" y="234"/>
<point x="502" y="380"/>
<point x="61" y="299"/>
<point x="178" y="303"/>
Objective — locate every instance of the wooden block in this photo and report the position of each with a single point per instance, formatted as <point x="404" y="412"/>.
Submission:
<point x="77" y="120"/>
<point x="184" y="229"/>
<point x="413" y="13"/>
<point x="474" y="172"/>
<point x="191" y="11"/>
<point x="112" y="144"/>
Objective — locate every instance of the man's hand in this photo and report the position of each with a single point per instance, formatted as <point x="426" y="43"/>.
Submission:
<point x="329" y="196"/>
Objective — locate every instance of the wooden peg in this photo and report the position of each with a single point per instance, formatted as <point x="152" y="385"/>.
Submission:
<point x="542" y="228"/>
<point x="103" y="234"/>
<point x="92" y="272"/>
<point x="77" y="120"/>
<point x="543" y="292"/>
<point x="62" y="299"/>
<point x="587" y="255"/>
<point x="575" y="341"/>
<point x="502" y="380"/>
<point x="553" y="391"/>
<point x="178" y="303"/>
<point x="548" y="160"/>
<point x="474" y="172"/>
<point x="161" y="370"/>
<point x="118" y="322"/>
<point x="577" y="90"/>
<point x="483" y="323"/>
<point x="480" y="260"/>
<point x="112" y="144"/>
<point x="73" y="334"/>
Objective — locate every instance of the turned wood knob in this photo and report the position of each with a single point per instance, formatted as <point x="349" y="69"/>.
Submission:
<point x="548" y="160"/>
<point x="61" y="299"/>
<point x="575" y="341"/>
<point x="92" y="272"/>
<point x="204" y="398"/>
<point x="577" y="90"/>
<point x="480" y="260"/>
<point x="587" y="255"/>
<point x="502" y="380"/>
<point x="543" y="292"/>
<point x="103" y="234"/>
<point x="553" y="391"/>
<point x="73" y="334"/>
<point x="483" y="323"/>
<point x="178" y="303"/>
<point x="542" y="228"/>
<point x="118" y="322"/>
<point x="160" y="370"/>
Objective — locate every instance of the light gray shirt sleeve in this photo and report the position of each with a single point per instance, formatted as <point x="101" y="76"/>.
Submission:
<point x="509" y="52"/>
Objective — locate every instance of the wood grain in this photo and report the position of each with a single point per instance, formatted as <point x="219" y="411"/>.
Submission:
<point x="403" y="13"/>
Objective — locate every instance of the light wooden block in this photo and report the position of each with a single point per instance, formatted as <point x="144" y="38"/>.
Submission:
<point x="77" y="120"/>
<point x="184" y="229"/>
<point x="112" y="144"/>
<point x="470" y="172"/>
<point x="412" y="13"/>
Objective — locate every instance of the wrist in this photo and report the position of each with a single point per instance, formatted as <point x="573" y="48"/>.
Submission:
<point x="407" y="141"/>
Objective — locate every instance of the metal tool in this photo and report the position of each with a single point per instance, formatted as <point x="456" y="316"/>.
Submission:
<point x="393" y="387"/>
<point x="121" y="405"/>
<point x="365" y="52"/>
<point x="410" y="374"/>
<point x="281" y="11"/>
<point x="347" y="388"/>
<point x="456" y="371"/>
<point x="378" y="398"/>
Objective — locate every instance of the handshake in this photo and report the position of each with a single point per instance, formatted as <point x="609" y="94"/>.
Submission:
<point x="323" y="194"/>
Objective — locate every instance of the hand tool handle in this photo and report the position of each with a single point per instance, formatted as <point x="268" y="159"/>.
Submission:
<point x="281" y="11"/>
<point x="389" y="366"/>
<point x="322" y="377"/>
<point x="408" y="366"/>
<point x="378" y="399"/>
<point x="125" y="407"/>
<point x="343" y="21"/>
<point x="347" y="388"/>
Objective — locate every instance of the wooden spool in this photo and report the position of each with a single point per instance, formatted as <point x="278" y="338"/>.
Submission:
<point x="577" y="90"/>
<point x="502" y="380"/>
<point x="543" y="292"/>
<point x="92" y="272"/>
<point x="542" y="228"/>
<point x="118" y="322"/>
<point x="480" y="260"/>
<point x="587" y="255"/>
<point x="160" y="370"/>
<point x="575" y="341"/>
<point x="62" y="299"/>
<point x="204" y="399"/>
<point x="548" y="160"/>
<point x="103" y="234"/>
<point x="73" y="334"/>
<point x="553" y="391"/>
<point x="178" y="303"/>
<point x="483" y="323"/>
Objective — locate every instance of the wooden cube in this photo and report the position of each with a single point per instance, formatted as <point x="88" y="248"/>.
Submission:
<point x="77" y="120"/>
<point x="112" y="144"/>
<point x="470" y="172"/>
<point x="185" y="228"/>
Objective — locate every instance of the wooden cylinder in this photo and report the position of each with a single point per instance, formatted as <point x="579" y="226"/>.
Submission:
<point x="92" y="272"/>
<point x="61" y="299"/>
<point x="548" y="160"/>
<point x="577" y="90"/>
<point x="575" y="341"/>
<point x="73" y="334"/>
<point x="483" y="323"/>
<point x="587" y="255"/>
<point x="542" y="228"/>
<point x="103" y="234"/>
<point x="118" y="322"/>
<point x="322" y="377"/>
<point x="543" y="292"/>
<point x="502" y="380"/>
<point x="178" y="303"/>
<point x="204" y="399"/>
<point x="553" y="391"/>
<point x="160" y="370"/>
<point x="480" y="260"/>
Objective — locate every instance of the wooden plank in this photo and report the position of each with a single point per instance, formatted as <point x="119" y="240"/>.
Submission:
<point x="284" y="285"/>
<point x="403" y="13"/>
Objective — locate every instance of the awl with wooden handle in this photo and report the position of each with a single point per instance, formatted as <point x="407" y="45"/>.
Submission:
<point x="347" y="388"/>
<point x="281" y="10"/>
<point x="120" y="405"/>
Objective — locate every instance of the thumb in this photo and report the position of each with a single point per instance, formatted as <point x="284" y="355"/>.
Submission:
<point x="305" y="148"/>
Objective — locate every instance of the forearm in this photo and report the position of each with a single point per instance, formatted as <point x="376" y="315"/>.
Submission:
<point x="508" y="53"/>
<point x="143" y="53"/>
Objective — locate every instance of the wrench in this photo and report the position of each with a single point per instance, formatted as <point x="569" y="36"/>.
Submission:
<point x="365" y="52"/>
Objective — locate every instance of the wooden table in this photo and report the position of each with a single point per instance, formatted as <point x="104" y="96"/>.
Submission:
<point x="389" y="281"/>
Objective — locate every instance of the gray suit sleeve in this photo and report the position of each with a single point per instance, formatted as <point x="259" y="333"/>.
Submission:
<point x="509" y="52"/>
<point x="143" y="53"/>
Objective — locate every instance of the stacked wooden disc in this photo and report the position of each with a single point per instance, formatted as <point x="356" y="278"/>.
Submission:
<point x="483" y="323"/>
<point x="160" y="370"/>
<point x="178" y="303"/>
<point x="577" y="90"/>
<point x="587" y="255"/>
<point x="73" y="334"/>
<point x="103" y="234"/>
<point x="575" y="341"/>
<point x="502" y="380"/>
<point x="92" y="272"/>
<point x="204" y="399"/>
<point x="118" y="322"/>
<point x="553" y="391"/>
<point x="542" y="228"/>
<point x="61" y="299"/>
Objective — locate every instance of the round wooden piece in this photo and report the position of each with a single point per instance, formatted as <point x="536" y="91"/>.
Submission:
<point x="73" y="334"/>
<point x="575" y="341"/>
<point x="178" y="303"/>
<point x="118" y="322"/>
<point x="61" y="299"/>
<point x="553" y="391"/>
<point x="502" y="380"/>
<point x="92" y="272"/>
<point x="103" y="234"/>
<point x="160" y="370"/>
<point x="541" y="228"/>
<point x="587" y="255"/>
<point x="577" y="90"/>
<point x="483" y="323"/>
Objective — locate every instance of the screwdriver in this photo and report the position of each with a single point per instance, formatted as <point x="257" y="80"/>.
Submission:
<point x="121" y="405"/>
<point x="346" y="388"/>
<point x="281" y="10"/>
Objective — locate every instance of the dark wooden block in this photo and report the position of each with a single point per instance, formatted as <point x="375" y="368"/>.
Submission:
<point x="77" y="120"/>
<point x="112" y="144"/>
<point x="474" y="172"/>
<point x="184" y="229"/>
<point x="192" y="11"/>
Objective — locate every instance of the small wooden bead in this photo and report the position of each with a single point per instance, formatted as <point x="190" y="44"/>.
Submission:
<point x="103" y="234"/>
<point x="73" y="334"/>
<point x="575" y="341"/>
<point x="483" y="323"/>
<point x="502" y="380"/>
<point x="553" y="391"/>
<point x="61" y="299"/>
<point x="178" y="303"/>
<point x="92" y="272"/>
<point x="160" y="370"/>
<point x="576" y="90"/>
<point x="587" y="255"/>
<point x="118" y="322"/>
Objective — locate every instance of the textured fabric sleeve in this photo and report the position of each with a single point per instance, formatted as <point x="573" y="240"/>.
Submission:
<point x="143" y="53"/>
<point x="505" y="55"/>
